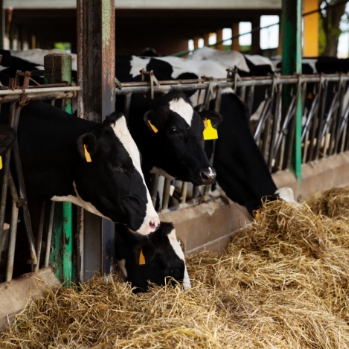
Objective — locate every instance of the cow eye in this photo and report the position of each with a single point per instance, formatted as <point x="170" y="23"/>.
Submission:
<point x="119" y="168"/>
<point x="176" y="273"/>
<point x="174" y="130"/>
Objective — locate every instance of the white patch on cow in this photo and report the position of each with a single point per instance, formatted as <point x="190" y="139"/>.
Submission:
<point x="123" y="134"/>
<point x="228" y="59"/>
<point x="36" y="56"/>
<point x="122" y="266"/>
<point x="137" y="64"/>
<point x="286" y="194"/>
<point x="77" y="200"/>
<point x="179" y="252"/>
<point x="257" y="114"/>
<point x="183" y="108"/>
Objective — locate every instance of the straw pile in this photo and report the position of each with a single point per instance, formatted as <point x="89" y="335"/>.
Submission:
<point x="283" y="283"/>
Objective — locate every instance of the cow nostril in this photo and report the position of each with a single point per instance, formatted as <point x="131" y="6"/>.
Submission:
<point x="208" y="175"/>
<point x="154" y="225"/>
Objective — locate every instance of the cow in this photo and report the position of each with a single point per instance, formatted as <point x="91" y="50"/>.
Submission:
<point x="170" y="136"/>
<point x="153" y="258"/>
<point x="95" y="166"/>
<point x="230" y="59"/>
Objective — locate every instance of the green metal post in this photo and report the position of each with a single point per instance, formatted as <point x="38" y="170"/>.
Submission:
<point x="57" y="69"/>
<point x="291" y="27"/>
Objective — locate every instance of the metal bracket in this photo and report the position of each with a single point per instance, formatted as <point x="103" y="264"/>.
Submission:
<point x="153" y="81"/>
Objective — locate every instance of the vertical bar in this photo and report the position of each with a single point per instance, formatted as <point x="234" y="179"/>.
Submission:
<point x="292" y="63"/>
<point x="96" y="62"/>
<point x="57" y="69"/>
<point x="235" y="46"/>
<point x="49" y="234"/>
<point x="39" y="236"/>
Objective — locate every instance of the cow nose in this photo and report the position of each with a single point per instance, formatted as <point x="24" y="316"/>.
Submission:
<point x="154" y="223"/>
<point x="208" y="175"/>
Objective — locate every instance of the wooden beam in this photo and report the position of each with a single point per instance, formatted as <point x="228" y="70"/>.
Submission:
<point x="235" y="46"/>
<point x="219" y="34"/>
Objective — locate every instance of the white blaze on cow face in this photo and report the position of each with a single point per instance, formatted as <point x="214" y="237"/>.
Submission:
<point x="123" y="134"/>
<point x="184" y="109"/>
<point x="138" y="64"/>
<point x="177" y="248"/>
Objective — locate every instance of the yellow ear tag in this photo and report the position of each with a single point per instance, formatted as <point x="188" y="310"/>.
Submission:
<point x="153" y="127"/>
<point x="87" y="154"/>
<point x="141" y="258"/>
<point x="0" y="162"/>
<point x="209" y="131"/>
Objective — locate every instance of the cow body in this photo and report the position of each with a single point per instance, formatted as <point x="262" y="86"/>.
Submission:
<point x="51" y="144"/>
<point x="150" y="259"/>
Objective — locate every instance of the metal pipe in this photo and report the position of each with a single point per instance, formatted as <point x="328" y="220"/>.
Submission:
<point x="39" y="236"/>
<point x="49" y="234"/>
<point x="166" y="194"/>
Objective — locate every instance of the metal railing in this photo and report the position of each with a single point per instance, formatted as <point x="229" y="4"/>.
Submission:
<point x="13" y="183"/>
<point x="325" y="113"/>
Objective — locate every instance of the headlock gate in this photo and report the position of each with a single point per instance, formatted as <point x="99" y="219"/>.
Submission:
<point x="324" y="132"/>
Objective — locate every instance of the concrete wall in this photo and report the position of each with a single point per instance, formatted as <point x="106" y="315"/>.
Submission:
<point x="210" y="225"/>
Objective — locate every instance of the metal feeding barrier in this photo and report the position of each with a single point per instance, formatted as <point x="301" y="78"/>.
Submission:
<point x="18" y="94"/>
<point x="325" y="112"/>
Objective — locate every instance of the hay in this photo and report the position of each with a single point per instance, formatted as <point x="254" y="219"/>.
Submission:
<point x="332" y="203"/>
<point x="283" y="283"/>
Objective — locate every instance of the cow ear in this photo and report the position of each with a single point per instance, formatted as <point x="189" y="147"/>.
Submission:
<point x="150" y="120"/>
<point x="87" y="144"/>
<point x="111" y="119"/>
<point x="144" y="253"/>
<point x="215" y="117"/>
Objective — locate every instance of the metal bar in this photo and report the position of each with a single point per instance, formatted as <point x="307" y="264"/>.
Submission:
<point x="39" y="236"/>
<point x="13" y="230"/>
<point x="58" y="68"/>
<point x="96" y="25"/>
<point x="154" y="188"/>
<point x="166" y="194"/>
<point x="320" y="121"/>
<point x="184" y="192"/>
<point x="49" y="234"/>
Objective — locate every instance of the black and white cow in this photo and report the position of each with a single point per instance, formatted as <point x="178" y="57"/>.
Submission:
<point x="170" y="136"/>
<point x="152" y="258"/>
<point x="95" y="166"/>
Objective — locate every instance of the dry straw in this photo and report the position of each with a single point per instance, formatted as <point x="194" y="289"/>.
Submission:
<point x="283" y="283"/>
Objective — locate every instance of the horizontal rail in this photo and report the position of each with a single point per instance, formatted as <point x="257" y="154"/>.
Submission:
<point x="201" y="84"/>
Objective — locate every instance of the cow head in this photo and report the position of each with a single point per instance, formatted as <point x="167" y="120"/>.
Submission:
<point x="110" y="176"/>
<point x="176" y="138"/>
<point x="153" y="258"/>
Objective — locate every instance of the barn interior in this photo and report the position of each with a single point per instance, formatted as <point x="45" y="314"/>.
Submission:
<point x="165" y="26"/>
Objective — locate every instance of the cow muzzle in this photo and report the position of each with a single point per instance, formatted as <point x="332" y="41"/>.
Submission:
<point x="207" y="175"/>
<point x="149" y="225"/>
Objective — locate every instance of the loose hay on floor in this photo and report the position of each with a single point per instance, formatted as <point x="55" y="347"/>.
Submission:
<point x="283" y="283"/>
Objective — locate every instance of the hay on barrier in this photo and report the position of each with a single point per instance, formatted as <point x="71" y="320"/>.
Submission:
<point x="283" y="283"/>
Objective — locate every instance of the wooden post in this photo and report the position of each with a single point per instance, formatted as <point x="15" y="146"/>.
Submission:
<point x="311" y="32"/>
<point x="219" y="46"/>
<point x="206" y="39"/>
<point x="255" y="46"/>
<point x="196" y="42"/>
<point x="235" y="46"/>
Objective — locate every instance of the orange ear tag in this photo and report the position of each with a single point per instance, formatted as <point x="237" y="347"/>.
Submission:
<point x="141" y="258"/>
<point x="0" y="162"/>
<point x="87" y="154"/>
<point x="155" y="130"/>
<point x="209" y="131"/>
